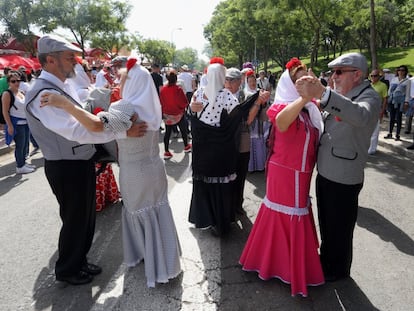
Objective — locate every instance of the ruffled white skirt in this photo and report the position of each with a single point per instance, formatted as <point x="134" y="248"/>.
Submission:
<point x="148" y="228"/>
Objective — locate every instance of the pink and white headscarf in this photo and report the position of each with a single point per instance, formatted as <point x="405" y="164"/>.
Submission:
<point x="286" y="93"/>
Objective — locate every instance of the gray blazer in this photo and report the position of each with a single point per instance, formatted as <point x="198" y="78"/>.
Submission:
<point x="344" y="145"/>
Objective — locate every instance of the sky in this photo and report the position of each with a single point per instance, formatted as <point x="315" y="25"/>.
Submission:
<point x="177" y="21"/>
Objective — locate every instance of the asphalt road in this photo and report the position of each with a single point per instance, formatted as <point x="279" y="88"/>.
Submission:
<point x="382" y="272"/>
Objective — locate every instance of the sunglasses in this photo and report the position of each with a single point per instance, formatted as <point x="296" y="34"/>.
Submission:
<point x="14" y="81"/>
<point x="375" y="76"/>
<point x="338" y="72"/>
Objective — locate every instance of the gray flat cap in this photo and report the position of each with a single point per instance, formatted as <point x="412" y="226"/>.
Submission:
<point x="355" y="60"/>
<point x="51" y="43"/>
<point x="233" y="73"/>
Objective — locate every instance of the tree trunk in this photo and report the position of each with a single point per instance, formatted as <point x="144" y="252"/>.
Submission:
<point x="372" y="39"/>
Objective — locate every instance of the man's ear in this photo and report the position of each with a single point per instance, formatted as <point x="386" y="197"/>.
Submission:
<point x="359" y="75"/>
<point x="50" y="59"/>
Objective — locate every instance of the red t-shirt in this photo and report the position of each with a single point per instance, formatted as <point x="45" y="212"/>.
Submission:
<point x="173" y="100"/>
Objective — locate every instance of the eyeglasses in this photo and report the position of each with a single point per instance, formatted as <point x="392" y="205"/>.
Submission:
<point x="14" y="81"/>
<point x="338" y="72"/>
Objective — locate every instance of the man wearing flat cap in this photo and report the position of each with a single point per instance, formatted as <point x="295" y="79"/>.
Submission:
<point x="68" y="149"/>
<point x="350" y="113"/>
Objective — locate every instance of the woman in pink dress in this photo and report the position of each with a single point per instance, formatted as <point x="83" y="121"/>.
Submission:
<point x="283" y="242"/>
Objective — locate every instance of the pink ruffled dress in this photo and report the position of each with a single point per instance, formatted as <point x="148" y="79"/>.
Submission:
<point x="283" y="242"/>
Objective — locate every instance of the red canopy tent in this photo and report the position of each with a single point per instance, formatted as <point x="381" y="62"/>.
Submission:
<point x="15" y="61"/>
<point x="16" y="45"/>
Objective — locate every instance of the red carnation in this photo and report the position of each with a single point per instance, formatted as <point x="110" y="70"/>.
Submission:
<point x="249" y="73"/>
<point x="217" y="60"/>
<point x="130" y="63"/>
<point x="98" y="110"/>
<point x="294" y="62"/>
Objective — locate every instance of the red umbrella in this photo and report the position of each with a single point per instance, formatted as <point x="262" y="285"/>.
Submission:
<point x="15" y="61"/>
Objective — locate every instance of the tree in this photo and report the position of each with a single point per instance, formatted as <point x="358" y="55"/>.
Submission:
<point x="186" y="56"/>
<point x="156" y="51"/>
<point x="85" y="19"/>
<point x="372" y="39"/>
<point x="18" y="17"/>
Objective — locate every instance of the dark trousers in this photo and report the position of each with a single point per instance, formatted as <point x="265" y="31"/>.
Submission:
<point x="395" y="117"/>
<point x="21" y="141"/>
<point x="169" y="128"/>
<point x="337" y="213"/>
<point x="73" y="182"/>
<point x="241" y="171"/>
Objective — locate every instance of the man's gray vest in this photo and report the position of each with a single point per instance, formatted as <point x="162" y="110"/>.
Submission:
<point x="53" y="146"/>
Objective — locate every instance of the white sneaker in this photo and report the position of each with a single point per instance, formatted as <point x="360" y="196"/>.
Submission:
<point x="24" y="170"/>
<point x="30" y="165"/>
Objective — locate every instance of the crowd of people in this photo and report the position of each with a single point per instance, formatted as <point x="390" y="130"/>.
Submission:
<point x="331" y="122"/>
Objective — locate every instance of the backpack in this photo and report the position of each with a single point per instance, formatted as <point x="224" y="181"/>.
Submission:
<point x="2" y="121"/>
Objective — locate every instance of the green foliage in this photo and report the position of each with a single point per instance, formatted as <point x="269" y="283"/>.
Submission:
<point x="282" y="29"/>
<point x="85" y="19"/>
<point x="187" y="56"/>
<point x="18" y="16"/>
<point x="156" y="51"/>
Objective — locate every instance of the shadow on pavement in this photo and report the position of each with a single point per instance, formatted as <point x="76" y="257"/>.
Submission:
<point x="399" y="168"/>
<point x="374" y="222"/>
<point x="106" y="251"/>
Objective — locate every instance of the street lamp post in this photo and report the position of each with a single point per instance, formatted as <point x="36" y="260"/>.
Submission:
<point x="172" y="44"/>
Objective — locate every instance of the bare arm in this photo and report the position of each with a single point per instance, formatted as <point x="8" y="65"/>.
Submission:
<point x="6" y="103"/>
<point x="285" y="117"/>
<point x="260" y="101"/>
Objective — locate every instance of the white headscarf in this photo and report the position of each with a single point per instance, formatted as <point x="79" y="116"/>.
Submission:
<point x="247" y="90"/>
<point x="286" y="93"/>
<point x="139" y="90"/>
<point x="216" y="75"/>
<point x="81" y="83"/>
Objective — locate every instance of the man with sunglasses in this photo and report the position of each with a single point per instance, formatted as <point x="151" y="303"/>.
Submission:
<point x="350" y="111"/>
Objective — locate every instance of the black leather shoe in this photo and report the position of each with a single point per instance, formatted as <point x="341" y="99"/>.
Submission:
<point x="389" y="136"/>
<point x="410" y="147"/>
<point x="91" y="269"/>
<point x="334" y="278"/>
<point x="78" y="279"/>
<point x="397" y="138"/>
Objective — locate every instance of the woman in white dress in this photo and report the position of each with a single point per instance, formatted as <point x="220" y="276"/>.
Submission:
<point x="148" y="228"/>
<point x="149" y="231"/>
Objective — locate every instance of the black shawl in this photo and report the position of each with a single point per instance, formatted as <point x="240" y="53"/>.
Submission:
<point x="215" y="149"/>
